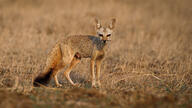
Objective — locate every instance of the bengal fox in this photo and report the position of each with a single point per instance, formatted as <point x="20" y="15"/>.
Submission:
<point x="71" y="49"/>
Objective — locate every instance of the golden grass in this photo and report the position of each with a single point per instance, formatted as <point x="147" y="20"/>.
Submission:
<point x="149" y="63"/>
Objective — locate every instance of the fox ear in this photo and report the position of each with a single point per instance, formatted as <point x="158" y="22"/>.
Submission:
<point x="98" y="23"/>
<point x="112" y="24"/>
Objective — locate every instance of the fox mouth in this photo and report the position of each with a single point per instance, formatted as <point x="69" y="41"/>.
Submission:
<point x="104" y="41"/>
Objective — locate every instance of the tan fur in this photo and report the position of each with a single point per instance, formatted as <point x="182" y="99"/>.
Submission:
<point x="70" y="50"/>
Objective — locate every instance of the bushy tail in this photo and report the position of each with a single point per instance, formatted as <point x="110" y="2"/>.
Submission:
<point x="52" y="61"/>
<point x="43" y="78"/>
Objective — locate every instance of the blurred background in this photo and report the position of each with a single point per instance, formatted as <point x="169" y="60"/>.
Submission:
<point x="151" y="48"/>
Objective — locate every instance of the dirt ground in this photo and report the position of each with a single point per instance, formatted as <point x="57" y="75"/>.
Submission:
<point x="148" y="64"/>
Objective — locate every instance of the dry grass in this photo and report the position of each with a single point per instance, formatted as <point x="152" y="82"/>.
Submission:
<point x="149" y="63"/>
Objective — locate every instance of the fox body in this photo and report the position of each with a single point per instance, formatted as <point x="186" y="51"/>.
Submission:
<point x="71" y="49"/>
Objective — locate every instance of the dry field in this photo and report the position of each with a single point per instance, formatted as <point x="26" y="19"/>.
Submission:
<point x="149" y="62"/>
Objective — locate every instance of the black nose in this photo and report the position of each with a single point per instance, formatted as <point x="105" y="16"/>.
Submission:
<point x="104" y="41"/>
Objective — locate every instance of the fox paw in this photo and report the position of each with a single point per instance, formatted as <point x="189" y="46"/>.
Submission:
<point x="99" y="84"/>
<point x="76" y="85"/>
<point x="59" y="85"/>
<point x="94" y="85"/>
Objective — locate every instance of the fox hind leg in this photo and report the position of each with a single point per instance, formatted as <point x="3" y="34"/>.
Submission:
<point x="59" y="67"/>
<point x="74" y="62"/>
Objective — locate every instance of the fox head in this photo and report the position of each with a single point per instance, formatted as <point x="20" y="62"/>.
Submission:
<point x="105" y="33"/>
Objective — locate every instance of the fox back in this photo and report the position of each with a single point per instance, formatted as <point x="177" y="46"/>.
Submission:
<point x="86" y="45"/>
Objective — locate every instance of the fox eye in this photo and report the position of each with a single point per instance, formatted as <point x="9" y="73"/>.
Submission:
<point x="108" y="35"/>
<point x="100" y="34"/>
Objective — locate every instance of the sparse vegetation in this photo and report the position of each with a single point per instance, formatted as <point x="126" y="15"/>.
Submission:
<point x="149" y="63"/>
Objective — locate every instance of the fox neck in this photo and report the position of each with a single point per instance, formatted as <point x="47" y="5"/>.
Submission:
<point x="102" y="45"/>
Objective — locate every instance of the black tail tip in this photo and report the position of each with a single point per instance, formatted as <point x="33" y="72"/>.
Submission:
<point x="40" y="81"/>
<point x="43" y="79"/>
